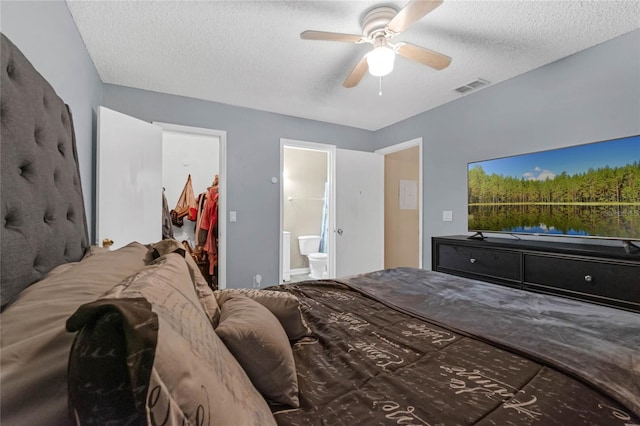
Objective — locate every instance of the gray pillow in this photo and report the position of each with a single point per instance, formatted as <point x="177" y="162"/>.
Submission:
<point x="35" y="345"/>
<point x="204" y="292"/>
<point x="284" y="306"/>
<point x="157" y="359"/>
<point x="257" y="340"/>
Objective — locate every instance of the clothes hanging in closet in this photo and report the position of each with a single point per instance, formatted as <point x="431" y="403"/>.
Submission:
<point x="186" y="205"/>
<point x="200" y="234"/>
<point x="209" y="223"/>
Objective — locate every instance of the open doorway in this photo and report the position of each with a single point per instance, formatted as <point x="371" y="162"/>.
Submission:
<point x="200" y="154"/>
<point x="403" y="204"/>
<point x="307" y="211"/>
<point x="129" y="165"/>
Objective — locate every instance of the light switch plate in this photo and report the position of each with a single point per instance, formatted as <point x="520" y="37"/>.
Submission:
<point x="232" y="216"/>
<point x="447" y="216"/>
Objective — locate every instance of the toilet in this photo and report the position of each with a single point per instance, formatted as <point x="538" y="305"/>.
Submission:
<point x="318" y="265"/>
<point x="309" y="246"/>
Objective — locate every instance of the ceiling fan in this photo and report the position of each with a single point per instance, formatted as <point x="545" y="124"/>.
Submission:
<point x="379" y="26"/>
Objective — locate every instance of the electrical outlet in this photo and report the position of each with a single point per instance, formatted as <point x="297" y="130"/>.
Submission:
<point x="447" y="216"/>
<point x="257" y="279"/>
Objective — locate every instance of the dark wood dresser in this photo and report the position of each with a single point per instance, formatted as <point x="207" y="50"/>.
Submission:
<point x="600" y="274"/>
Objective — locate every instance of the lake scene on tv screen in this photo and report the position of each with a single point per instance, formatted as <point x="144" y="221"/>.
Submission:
<point x="590" y="190"/>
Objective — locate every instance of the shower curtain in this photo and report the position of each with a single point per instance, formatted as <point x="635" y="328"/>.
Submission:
<point x="324" y="231"/>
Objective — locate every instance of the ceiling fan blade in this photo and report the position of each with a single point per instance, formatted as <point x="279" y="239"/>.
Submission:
<point x="323" y="35"/>
<point x="424" y="56"/>
<point x="357" y="73"/>
<point x="412" y="12"/>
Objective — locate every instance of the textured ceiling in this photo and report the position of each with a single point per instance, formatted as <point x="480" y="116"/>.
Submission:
<point x="249" y="53"/>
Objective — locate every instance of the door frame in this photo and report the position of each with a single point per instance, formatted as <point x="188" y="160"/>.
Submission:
<point x="331" y="177"/>
<point x="401" y="147"/>
<point x="222" y="190"/>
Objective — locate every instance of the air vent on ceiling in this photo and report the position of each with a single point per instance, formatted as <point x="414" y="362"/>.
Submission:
<point x="471" y="86"/>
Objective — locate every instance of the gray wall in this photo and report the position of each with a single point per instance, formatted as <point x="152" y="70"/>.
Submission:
<point x="590" y="96"/>
<point x="45" y="33"/>
<point x="253" y="157"/>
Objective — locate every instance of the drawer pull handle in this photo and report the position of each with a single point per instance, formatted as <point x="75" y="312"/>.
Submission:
<point x="472" y="260"/>
<point x="588" y="278"/>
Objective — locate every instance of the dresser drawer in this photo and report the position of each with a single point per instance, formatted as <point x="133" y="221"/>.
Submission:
<point x="609" y="280"/>
<point x="500" y="264"/>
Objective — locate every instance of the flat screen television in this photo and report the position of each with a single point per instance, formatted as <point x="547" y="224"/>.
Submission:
<point x="590" y="190"/>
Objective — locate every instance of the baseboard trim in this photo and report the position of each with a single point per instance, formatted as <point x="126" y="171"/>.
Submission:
<point x="300" y="271"/>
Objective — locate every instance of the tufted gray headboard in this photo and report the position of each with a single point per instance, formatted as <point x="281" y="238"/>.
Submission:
<point x="43" y="216"/>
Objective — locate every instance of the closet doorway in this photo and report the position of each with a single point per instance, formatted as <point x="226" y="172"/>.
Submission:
<point x="129" y="181"/>
<point x="199" y="153"/>
<point x="307" y="210"/>
<point x="403" y="204"/>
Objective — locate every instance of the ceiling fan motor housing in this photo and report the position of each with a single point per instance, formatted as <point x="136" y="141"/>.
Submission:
<point x="375" y="21"/>
<point x="380" y="25"/>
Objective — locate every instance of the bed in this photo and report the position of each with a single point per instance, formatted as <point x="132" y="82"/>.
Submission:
<point x="135" y="335"/>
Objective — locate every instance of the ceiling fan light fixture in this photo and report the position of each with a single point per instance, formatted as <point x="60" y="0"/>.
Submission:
<point x="380" y="61"/>
<point x="379" y="26"/>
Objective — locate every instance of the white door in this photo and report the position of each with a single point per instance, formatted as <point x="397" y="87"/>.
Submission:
<point x="128" y="179"/>
<point x="359" y="212"/>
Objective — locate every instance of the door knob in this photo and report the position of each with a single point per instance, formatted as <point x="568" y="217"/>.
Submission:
<point x="107" y="242"/>
<point x="339" y="231"/>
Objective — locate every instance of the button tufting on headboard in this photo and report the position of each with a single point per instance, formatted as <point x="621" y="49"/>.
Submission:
<point x="11" y="68"/>
<point x="37" y="135"/>
<point x="37" y="263"/>
<point x="26" y="171"/>
<point x="49" y="216"/>
<point x="40" y="178"/>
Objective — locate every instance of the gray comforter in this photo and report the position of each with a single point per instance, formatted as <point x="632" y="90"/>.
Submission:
<point x="598" y="344"/>
<point x="453" y="351"/>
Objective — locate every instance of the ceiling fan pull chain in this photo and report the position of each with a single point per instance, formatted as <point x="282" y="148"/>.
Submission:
<point x="380" y="87"/>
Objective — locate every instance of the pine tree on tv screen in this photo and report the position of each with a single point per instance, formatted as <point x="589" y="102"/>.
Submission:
<point x="588" y="190"/>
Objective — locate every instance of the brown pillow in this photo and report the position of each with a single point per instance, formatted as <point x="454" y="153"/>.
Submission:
<point x="35" y="344"/>
<point x="258" y="342"/>
<point x="160" y="360"/>
<point x="284" y="306"/>
<point x="204" y="292"/>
